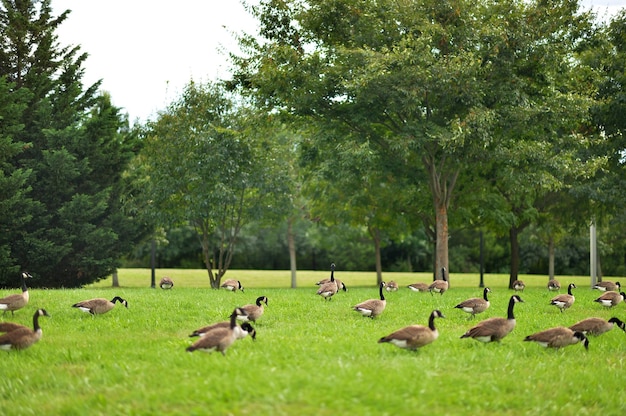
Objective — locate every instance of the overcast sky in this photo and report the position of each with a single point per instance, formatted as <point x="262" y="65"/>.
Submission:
<point x="146" y="51"/>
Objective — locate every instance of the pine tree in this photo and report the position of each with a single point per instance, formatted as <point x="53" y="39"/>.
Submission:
<point x="78" y="147"/>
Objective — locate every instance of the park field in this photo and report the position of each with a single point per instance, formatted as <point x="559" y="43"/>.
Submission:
<point x="311" y="357"/>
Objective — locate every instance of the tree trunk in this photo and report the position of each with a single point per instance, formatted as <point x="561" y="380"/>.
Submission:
<point x="116" y="282"/>
<point x="551" y="257"/>
<point x="291" y="242"/>
<point x="375" y="233"/>
<point x="513" y="235"/>
<point x="442" y="238"/>
<point x="441" y="184"/>
<point x="214" y="280"/>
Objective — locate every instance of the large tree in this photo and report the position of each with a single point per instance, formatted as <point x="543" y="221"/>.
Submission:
<point x="435" y="86"/>
<point x="76" y="146"/>
<point x="206" y="166"/>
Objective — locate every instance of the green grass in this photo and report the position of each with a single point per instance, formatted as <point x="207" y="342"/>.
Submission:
<point x="311" y="357"/>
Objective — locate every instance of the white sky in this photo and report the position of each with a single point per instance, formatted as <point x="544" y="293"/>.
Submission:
<point x="146" y="51"/>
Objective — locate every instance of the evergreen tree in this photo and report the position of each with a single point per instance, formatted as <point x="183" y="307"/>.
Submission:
<point x="78" y="147"/>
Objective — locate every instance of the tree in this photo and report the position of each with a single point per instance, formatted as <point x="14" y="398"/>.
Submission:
<point x="77" y="146"/>
<point x="403" y="77"/>
<point x="13" y="180"/>
<point x="347" y="183"/>
<point x="438" y="87"/>
<point x="207" y="168"/>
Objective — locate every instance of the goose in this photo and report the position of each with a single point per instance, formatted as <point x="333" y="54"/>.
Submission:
<point x="475" y="305"/>
<point x="340" y="285"/>
<point x="494" y="329"/>
<point x="564" y="301"/>
<point x="610" y="299"/>
<point x="166" y="283"/>
<point x="98" y="306"/>
<point x="607" y="286"/>
<point x="418" y="287"/>
<point x="519" y="285"/>
<point x="558" y="337"/>
<point x="218" y="339"/>
<point x="9" y="326"/>
<point x="439" y="286"/>
<point x="253" y="312"/>
<point x="240" y="331"/>
<point x="232" y="285"/>
<point x="391" y="286"/>
<point x="18" y="300"/>
<point x="372" y="307"/>
<point x="21" y="337"/>
<point x="413" y="337"/>
<point x="554" y="285"/>
<point x="597" y="326"/>
<point x="328" y="289"/>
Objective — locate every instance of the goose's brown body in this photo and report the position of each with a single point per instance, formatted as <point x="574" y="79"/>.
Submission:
<point x="519" y="285"/>
<point x="554" y="285"/>
<point x="494" y="329"/>
<point x="439" y="286"/>
<point x="18" y="300"/>
<point x="608" y="286"/>
<point x="418" y="287"/>
<point x="98" y="306"/>
<point x="558" y="337"/>
<point x="20" y="337"/>
<point x="372" y="307"/>
<point x="253" y="312"/>
<point x="611" y="299"/>
<point x="329" y="289"/>
<point x="166" y="283"/>
<point x="413" y="337"/>
<point x="597" y="326"/>
<point x="564" y="301"/>
<point x="218" y="339"/>
<point x="232" y="285"/>
<point x="474" y="306"/>
<point x="240" y="331"/>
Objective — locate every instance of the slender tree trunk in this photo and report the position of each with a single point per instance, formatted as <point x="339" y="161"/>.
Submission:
<point x="207" y="257"/>
<point x="551" y="257"/>
<point x="291" y="242"/>
<point x="116" y="282"/>
<point x="375" y="233"/>
<point x="441" y="185"/>
<point x="513" y="239"/>
<point x="442" y="238"/>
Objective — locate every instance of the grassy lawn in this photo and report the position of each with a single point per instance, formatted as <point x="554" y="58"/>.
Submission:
<point x="311" y="357"/>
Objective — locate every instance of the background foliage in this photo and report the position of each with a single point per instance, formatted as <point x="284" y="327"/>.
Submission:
<point x="351" y="131"/>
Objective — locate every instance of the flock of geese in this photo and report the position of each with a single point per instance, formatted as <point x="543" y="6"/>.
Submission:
<point x="18" y="337"/>
<point x="494" y="329"/>
<point x="221" y="335"/>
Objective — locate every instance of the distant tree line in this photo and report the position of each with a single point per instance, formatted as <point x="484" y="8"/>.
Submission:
<point x="378" y="135"/>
